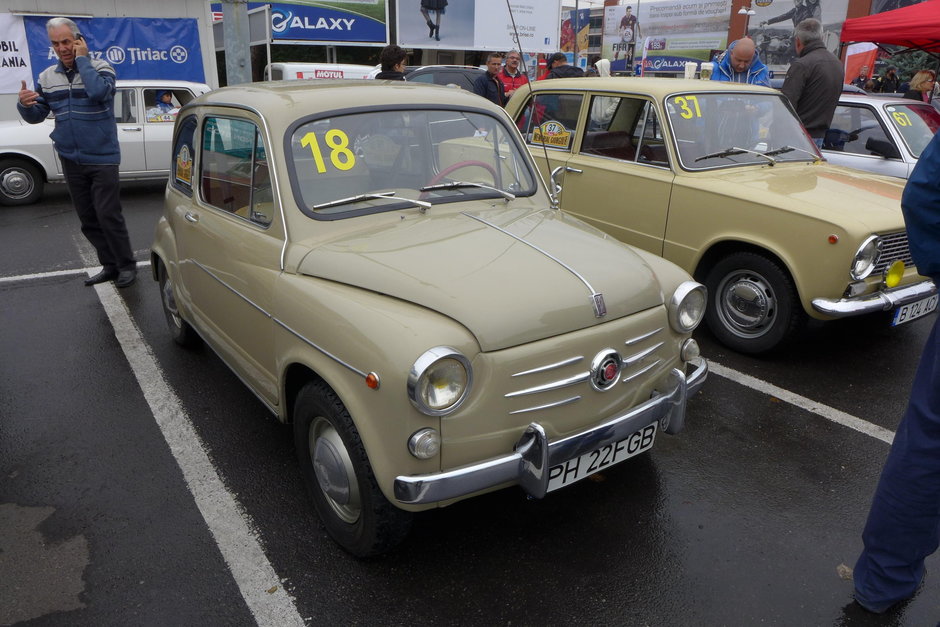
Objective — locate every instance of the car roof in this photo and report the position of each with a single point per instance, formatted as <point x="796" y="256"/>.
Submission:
<point x="658" y="87"/>
<point x="876" y="99"/>
<point x="160" y="84"/>
<point x="282" y="102"/>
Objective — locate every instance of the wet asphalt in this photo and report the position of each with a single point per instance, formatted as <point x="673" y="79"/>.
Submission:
<point x="744" y="518"/>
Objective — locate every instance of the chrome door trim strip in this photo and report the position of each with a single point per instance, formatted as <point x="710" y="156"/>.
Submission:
<point x="597" y="299"/>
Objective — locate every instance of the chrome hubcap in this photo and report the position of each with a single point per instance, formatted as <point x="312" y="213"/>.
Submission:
<point x="169" y="302"/>
<point x="16" y="183"/>
<point x="334" y="470"/>
<point x="746" y="304"/>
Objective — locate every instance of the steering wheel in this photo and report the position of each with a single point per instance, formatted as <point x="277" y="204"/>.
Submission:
<point x="462" y="164"/>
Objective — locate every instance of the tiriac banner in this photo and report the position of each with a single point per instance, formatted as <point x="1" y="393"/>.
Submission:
<point x="136" y="47"/>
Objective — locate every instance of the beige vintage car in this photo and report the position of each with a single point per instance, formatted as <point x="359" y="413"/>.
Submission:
<point x="722" y="179"/>
<point x="383" y="267"/>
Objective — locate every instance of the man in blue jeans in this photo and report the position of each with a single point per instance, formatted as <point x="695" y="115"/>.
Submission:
<point x="903" y="526"/>
<point x="79" y="91"/>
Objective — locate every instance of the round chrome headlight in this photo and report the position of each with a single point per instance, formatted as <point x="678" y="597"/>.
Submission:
<point x="439" y="381"/>
<point x="866" y="257"/>
<point x="687" y="306"/>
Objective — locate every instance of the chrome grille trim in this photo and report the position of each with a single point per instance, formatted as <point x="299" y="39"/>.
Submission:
<point x="629" y="361"/>
<point x="640" y="338"/>
<point x="893" y="247"/>
<point x="560" y="364"/>
<point x="642" y="371"/>
<point x="567" y="401"/>
<point x="553" y="385"/>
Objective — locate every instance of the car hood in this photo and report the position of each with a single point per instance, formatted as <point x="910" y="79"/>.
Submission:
<point x="508" y="276"/>
<point x="825" y="192"/>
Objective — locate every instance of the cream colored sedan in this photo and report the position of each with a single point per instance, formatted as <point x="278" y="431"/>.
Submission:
<point x="722" y="179"/>
<point x="383" y="267"/>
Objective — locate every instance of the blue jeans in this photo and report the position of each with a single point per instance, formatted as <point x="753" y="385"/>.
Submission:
<point x="903" y="526"/>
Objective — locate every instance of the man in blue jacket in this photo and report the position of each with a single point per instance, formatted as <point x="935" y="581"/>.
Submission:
<point x="488" y="85"/>
<point x="903" y="526"/>
<point x="79" y="91"/>
<point x="740" y="63"/>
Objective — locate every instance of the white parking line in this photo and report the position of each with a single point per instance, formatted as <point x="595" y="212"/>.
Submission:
<point x="268" y="601"/>
<point x="829" y="413"/>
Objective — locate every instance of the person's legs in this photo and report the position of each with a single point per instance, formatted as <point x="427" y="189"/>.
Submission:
<point x="106" y="193"/>
<point x="903" y="526"/>
<point x="80" y="189"/>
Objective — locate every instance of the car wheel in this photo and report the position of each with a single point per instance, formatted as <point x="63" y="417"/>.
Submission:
<point x="182" y="333"/>
<point x="20" y="182"/>
<point x="339" y="478"/>
<point x="753" y="304"/>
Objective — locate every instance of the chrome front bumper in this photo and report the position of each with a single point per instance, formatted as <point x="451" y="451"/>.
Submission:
<point x="534" y="455"/>
<point x="879" y="301"/>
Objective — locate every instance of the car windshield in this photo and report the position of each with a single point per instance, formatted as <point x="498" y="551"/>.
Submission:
<point x="916" y="122"/>
<point x="384" y="160"/>
<point x="714" y="130"/>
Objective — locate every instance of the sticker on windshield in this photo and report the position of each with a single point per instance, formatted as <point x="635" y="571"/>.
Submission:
<point x="337" y="142"/>
<point x="552" y="133"/>
<point x="184" y="166"/>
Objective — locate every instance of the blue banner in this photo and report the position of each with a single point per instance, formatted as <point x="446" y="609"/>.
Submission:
<point x="316" y="24"/>
<point x="138" y="48"/>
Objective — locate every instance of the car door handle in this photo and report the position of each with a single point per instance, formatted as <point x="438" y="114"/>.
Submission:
<point x="191" y="217"/>
<point x="132" y="129"/>
<point x="568" y="168"/>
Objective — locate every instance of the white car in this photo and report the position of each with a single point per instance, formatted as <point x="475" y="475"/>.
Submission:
<point x="28" y="160"/>
<point x="880" y="134"/>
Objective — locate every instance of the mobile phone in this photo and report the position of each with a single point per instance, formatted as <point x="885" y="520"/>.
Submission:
<point x="79" y="36"/>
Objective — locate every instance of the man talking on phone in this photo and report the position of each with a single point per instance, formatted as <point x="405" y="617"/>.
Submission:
<point x="79" y="91"/>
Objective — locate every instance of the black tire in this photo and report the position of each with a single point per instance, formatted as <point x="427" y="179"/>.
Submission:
<point x="352" y="507"/>
<point x="180" y="330"/>
<point x="21" y="182"/>
<point x="753" y="305"/>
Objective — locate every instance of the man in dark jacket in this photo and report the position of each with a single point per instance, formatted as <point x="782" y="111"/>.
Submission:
<point x="79" y="91"/>
<point x="558" y="67"/>
<point x="393" y="60"/>
<point x="488" y="85"/>
<point x="814" y="80"/>
<point x="903" y="526"/>
<point x="888" y="83"/>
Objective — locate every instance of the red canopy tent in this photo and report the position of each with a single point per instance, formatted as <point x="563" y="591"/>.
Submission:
<point x="916" y="27"/>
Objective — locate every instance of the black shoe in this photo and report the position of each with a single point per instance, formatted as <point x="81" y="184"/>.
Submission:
<point x="126" y="277"/>
<point x="431" y="26"/>
<point x="437" y="33"/>
<point x="102" y="277"/>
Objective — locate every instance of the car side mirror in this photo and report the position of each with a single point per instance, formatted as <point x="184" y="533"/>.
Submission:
<point x="883" y="148"/>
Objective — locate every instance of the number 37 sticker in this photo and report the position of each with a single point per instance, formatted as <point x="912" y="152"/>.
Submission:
<point x="337" y="142"/>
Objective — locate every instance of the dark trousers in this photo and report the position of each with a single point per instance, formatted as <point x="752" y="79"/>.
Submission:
<point x="96" y="194"/>
<point x="903" y="526"/>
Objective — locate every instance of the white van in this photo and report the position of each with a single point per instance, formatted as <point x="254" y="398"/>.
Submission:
<point x="300" y="71"/>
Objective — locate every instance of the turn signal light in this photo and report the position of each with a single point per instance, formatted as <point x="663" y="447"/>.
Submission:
<point x="894" y="273"/>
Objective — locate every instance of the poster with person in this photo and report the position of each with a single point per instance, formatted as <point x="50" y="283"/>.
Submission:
<point x="771" y="27"/>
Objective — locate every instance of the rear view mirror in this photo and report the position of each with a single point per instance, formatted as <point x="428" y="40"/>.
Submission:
<point x="883" y="148"/>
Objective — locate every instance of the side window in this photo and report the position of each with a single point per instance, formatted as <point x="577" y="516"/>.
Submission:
<point x="233" y="169"/>
<point x="626" y="129"/>
<point x="125" y="106"/>
<point x="551" y="120"/>
<point x="182" y="166"/>
<point x="161" y="105"/>
<point x="851" y="128"/>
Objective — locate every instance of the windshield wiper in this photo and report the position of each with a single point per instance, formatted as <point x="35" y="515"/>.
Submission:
<point x="424" y="206"/>
<point x="784" y="149"/>
<point x="459" y="184"/>
<point x="734" y="150"/>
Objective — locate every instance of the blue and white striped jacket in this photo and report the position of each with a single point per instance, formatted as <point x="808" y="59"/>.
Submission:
<point x="85" y="130"/>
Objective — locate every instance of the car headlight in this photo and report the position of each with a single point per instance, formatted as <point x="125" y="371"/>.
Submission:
<point x="865" y="258"/>
<point x="439" y="381"/>
<point x="687" y="306"/>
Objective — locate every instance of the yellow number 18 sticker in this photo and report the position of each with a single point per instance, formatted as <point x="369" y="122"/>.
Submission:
<point x="686" y="110"/>
<point x="337" y="141"/>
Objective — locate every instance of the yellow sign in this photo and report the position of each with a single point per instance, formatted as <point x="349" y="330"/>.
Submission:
<point x="184" y="166"/>
<point x="552" y="133"/>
